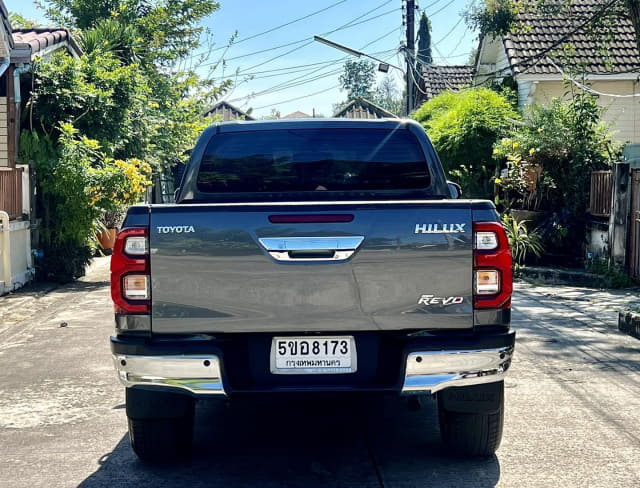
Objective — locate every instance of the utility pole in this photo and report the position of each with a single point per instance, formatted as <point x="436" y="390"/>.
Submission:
<point x="410" y="50"/>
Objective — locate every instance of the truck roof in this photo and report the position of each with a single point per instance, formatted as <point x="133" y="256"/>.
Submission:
<point x="241" y="125"/>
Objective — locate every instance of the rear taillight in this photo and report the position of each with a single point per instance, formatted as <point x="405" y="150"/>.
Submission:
<point x="130" y="280"/>
<point x="492" y="271"/>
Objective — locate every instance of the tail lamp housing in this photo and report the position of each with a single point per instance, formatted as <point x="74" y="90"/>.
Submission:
<point x="493" y="266"/>
<point x="130" y="278"/>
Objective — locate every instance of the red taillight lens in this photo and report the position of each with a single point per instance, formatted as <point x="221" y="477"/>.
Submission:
<point x="493" y="275"/>
<point x="130" y="281"/>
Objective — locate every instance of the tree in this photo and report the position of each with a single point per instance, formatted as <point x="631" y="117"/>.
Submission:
<point x="388" y="96"/>
<point x="101" y="121"/>
<point x="463" y="127"/>
<point x="424" y="40"/>
<point x="497" y="17"/>
<point x="169" y="29"/>
<point x="358" y="79"/>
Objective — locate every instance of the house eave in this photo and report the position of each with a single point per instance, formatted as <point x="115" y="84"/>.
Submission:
<point x="634" y="76"/>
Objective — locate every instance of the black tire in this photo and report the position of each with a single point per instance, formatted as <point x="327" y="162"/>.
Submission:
<point x="467" y="434"/>
<point x="160" y="425"/>
<point x="161" y="440"/>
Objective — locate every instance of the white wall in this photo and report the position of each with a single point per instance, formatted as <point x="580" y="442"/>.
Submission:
<point x="622" y="113"/>
<point x="21" y="263"/>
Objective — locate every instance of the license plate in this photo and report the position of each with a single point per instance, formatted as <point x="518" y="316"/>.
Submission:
<point x="313" y="355"/>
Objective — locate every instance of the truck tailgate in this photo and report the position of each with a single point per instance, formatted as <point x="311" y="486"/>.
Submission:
<point x="353" y="266"/>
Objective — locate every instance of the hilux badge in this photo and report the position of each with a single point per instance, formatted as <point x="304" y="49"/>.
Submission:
<point x="440" y="228"/>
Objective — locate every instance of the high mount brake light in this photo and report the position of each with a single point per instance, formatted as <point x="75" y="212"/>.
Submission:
<point x="493" y="274"/>
<point x="130" y="290"/>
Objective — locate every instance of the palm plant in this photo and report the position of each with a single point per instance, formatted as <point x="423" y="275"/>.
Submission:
<point x="522" y="240"/>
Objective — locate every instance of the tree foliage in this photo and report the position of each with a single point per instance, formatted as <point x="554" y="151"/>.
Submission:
<point x="463" y="127"/>
<point x="424" y="40"/>
<point x="550" y="156"/>
<point x="358" y="79"/>
<point x="168" y="29"/>
<point x="101" y="123"/>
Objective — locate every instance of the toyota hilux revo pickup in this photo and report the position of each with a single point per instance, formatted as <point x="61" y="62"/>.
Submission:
<point x="321" y="255"/>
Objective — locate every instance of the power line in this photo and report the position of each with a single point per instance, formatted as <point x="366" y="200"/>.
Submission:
<point x="273" y="29"/>
<point x="306" y="40"/>
<point x="588" y="88"/>
<point x="544" y="52"/>
<point x="305" y="96"/>
<point x="441" y="9"/>
<point x="348" y="25"/>
<point x="290" y="83"/>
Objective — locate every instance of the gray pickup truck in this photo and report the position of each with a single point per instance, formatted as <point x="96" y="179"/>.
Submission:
<point x="316" y="255"/>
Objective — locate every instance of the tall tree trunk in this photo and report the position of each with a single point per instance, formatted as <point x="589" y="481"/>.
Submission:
<point x="634" y="10"/>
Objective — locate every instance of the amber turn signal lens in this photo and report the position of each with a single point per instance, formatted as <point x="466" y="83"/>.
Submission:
<point x="487" y="282"/>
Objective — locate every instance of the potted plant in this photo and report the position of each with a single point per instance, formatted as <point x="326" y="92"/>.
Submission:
<point x="107" y="227"/>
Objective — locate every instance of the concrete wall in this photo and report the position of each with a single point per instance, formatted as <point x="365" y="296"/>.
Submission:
<point x="622" y="113"/>
<point x="597" y="240"/>
<point x="21" y="262"/>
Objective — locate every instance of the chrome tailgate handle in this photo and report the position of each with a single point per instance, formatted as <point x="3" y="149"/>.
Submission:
<point x="311" y="248"/>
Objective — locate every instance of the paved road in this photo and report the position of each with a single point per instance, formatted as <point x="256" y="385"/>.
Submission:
<point x="572" y="418"/>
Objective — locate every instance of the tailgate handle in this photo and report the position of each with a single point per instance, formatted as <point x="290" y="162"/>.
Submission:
<point x="311" y="248"/>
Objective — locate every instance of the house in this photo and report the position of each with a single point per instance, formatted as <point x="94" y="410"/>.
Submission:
<point x="535" y="59"/>
<point x="227" y="112"/>
<point x="436" y="79"/>
<point x="361" y="108"/>
<point x="297" y="115"/>
<point x="18" y="49"/>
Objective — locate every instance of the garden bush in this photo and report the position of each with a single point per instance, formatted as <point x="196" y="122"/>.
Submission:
<point x="464" y="127"/>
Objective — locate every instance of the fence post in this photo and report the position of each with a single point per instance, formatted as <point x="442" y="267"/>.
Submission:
<point x="619" y="219"/>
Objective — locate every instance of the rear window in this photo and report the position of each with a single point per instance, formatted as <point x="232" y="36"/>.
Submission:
<point x="313" y="160"/>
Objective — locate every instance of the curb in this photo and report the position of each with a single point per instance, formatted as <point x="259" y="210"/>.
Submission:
<point x="555" y="276"/>
<point x="629" y="323"/>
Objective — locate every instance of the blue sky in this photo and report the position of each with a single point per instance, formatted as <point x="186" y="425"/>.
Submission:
<point x="303" y="75"/>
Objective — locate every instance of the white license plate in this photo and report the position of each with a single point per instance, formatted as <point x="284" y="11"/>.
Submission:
<point x="313" y="355"/>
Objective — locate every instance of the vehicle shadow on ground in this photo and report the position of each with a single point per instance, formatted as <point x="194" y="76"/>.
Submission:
<point x="323" y="441"/>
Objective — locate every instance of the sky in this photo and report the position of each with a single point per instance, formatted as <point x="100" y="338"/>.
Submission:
<point x="285" y="70"/>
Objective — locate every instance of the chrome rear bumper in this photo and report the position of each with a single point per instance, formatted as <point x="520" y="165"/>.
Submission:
<point x="197" y="374"/>
<point x="432" y="371"/>
<point x="427" y="371"/>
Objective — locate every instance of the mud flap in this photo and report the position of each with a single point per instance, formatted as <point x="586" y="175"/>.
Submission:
<point x="149" y="404"/>
<point x="478" y="399"/>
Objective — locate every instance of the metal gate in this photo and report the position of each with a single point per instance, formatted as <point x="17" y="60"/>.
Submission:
<point x="634" y="249"/>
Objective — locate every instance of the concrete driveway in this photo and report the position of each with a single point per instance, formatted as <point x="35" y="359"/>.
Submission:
<point x="572" y="415"/>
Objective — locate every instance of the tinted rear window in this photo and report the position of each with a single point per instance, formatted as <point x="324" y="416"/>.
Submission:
<point x="313" y="160"/>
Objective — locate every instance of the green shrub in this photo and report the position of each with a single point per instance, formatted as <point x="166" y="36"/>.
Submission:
<point x="463" y="127"/>
<point x="522" y="240"/>
<point x="549" y="157"/>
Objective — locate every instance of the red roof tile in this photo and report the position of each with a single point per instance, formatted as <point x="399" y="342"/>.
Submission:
<point x="545" y="36"/>
<point x="40" y="38"/>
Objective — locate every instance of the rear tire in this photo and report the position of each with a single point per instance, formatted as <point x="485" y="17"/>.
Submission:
<point x="471" y="434"/>
<point x="160" y="425"/>
<point x="158" y="440"/>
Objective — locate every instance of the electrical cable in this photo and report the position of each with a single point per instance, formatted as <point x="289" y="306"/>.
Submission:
<point x="306" y="40"/>
<point x="304" y="96"/>
<point x="303" y="78"/>
<point x="588" y="88"/>
<point x="540" y="55"/>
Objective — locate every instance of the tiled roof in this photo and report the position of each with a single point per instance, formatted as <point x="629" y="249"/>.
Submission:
<point x="297" y="115"/>
<point x="361" y="108"/>
<point x="41" y="38"/>
<point x="544" y="36"/>
<point x="227" y="112"/>
<point x="438" y="79"/>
